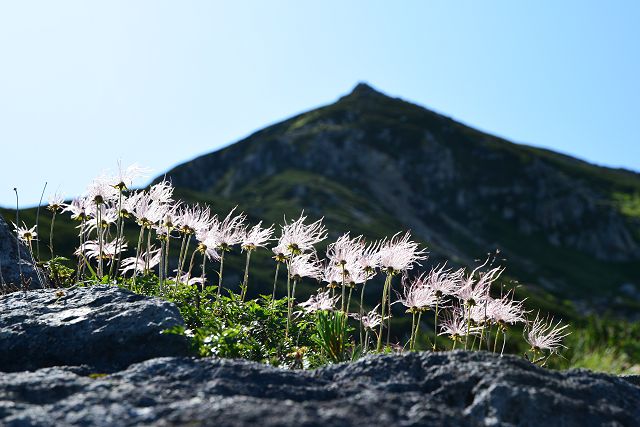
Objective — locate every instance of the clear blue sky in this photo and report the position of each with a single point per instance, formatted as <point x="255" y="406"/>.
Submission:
<point x="83" y="84"/>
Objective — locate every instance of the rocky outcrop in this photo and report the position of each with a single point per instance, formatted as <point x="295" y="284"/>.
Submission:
<point x="426" y="389"/>
<point x="105" y="327"/>
<point x="14" y="274"/>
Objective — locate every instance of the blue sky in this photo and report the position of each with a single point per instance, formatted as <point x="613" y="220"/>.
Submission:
<point x="83" y="84"/>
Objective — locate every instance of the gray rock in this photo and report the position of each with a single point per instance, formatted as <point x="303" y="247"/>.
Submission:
<point x="102" y="326"/>
<point x="421" y="389"/>
<point x="9" y="268"/>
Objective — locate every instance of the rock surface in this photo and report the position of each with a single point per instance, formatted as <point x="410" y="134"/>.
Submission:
<point x="103" y="326"/>
<point x="9" y="268"/>
<point x="450" y="389"/>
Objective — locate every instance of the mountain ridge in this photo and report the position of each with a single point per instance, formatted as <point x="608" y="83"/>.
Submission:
<point x="463" y="191"/>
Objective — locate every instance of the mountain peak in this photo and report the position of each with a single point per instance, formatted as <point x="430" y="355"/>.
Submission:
<point x="363" y="89"/>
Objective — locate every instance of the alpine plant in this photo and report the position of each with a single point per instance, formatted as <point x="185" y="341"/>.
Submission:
<point x="176" y="239"/>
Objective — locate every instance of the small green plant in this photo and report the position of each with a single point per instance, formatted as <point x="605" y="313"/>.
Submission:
<point x="332" y="335"/>
<point x="60" y="276"/>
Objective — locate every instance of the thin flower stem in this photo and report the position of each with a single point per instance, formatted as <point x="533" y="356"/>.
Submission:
<point x="204" y="277"/>
<point x="415" y="337"/>
<point x="220" y="273"/>
<point x="342" y="300"/>
<point x="193" y="255"/>
<point x="33" y="260"/>
<point x="115" y="265"/>
<point x="38" y="219"/>
<point x="245" y="282"/>
<point x="362" y="307"/>
<point x="81" y="256"/>
<point x="349" y="299"/>
<point x="504" y="341"/>
<point x="495" y="342"/>
<point x="275" y="281"/>
<point x="99" y="235"/>
<point x="179" y="273"/>
<point x="166" y="255"/>
<point x="435" y="326"/>
<point x="413" y="327"/>
<point x="18" y="238"/>
<point x="135" y="268"/>
<point x="389" y="313"/>
<point x="147" y="258"/>
<point x="53" y="221"/>
<point x="384" y="300"/>
<point x="286" y="333"/>
<point x="466" y="338"/>
<point x="365" y="346"/>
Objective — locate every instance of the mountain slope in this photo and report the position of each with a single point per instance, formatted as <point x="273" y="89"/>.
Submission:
<point x="374" y="164"/>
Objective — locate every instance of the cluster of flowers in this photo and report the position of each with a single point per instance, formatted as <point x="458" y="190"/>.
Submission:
<point x="470" y="314"/>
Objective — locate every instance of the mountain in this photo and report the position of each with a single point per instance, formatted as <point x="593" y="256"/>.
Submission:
<point x="375" y="164"/>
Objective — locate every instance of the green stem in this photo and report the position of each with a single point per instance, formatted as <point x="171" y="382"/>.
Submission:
<point x="435" y="326"/>
<point x="53" y="221"/>
<point x="275" y="281"/>
<point x="193" y="255"/>
<point x="99" y="231"/>
<point x="384" y="302"/>
<point x="413" y="328"/>
<point x="415" y="337"/>
<point x="389" y="312"/>
<point x="115" y="264"/>
<point x="38" y="219"/>
<point x="245" y="282"/>
<point x="135" y="268"/>
<point x="466" y="338"/>
<point x="204" y="261"/>
<point x="220" y="272"/>
<point x="361" y="307"/>
<point x="180" y="258"/>
<point x="286" y="333"/>
<point x="342" y="300"/>
<point x="148" y="256"/>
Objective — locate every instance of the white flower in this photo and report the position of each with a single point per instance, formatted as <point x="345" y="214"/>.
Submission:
<point x="473" y="292"/>
<point x="298" y="237"/>
<point x="369" y="258"/>
<point x="455" y="325"/>
<point x="345" y="250"/>
<point x="399" y="253"/>
<point x="161" y="192"/>
<point x="138" y="264"/>
<point x="321" y="301"/>
<point x="331" y="275"/>
<point x="77" y="208"/>
<point x="544" y="335"/>
<point x="417" y="295"/>
<point x="228" y="232"/>
<point x="444" y="282"/>
<point x="305" y="265"/>
<point x="186" y="279"/>
<point x="194" y="219"/>
<point x="101" y="191"/>
<point x="109" y="249"/>
<point x="370" y="320"/>
<point x="256" y="237"/>
<point x="148" y="211"/>
<point x="506" y="310"/>
<point x="25" y="234"/>
<point x="56" y="202"/>
<point x="124" y="179"/>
